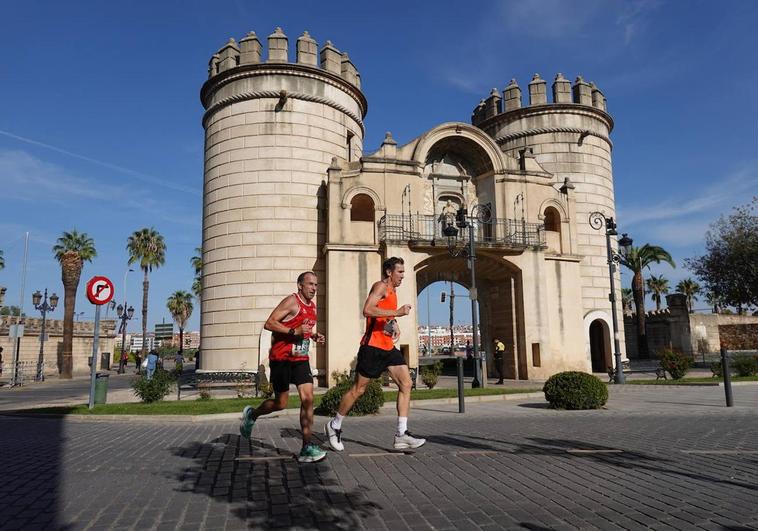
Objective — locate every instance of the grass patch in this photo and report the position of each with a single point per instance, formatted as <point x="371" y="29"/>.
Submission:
<point x="235" y="405"/>
<point x="692" y="381"/>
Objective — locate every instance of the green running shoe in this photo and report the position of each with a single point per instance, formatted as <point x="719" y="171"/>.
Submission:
<point x="247" y="422"/>
<point x="311" y="454"/>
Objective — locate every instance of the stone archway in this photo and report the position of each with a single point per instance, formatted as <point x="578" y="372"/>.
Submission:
<point x="600" y="346"/>
<point x="501" y="311"/>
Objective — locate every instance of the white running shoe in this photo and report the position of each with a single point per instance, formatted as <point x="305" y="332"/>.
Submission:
<point x="406" y="440"/>
<point x="334" y="437"/>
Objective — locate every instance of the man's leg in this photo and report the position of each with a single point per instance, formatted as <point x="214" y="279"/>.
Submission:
<point x="280" y="380"/>
<point x="402" y="377"/>
<point x="306" y="411"/>
<point x="333" y="428"/>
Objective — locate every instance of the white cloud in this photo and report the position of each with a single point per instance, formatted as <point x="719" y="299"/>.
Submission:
<point x="712" y="200"/>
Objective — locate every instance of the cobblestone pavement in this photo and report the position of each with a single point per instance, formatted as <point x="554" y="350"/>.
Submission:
<point x="659" y="457"/>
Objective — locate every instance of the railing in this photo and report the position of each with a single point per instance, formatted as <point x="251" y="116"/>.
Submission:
<point x="425" y="229"/>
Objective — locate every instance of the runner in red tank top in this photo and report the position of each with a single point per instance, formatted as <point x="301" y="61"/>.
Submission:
<point x="291" y="326"/>
<point x="378" y="354"/>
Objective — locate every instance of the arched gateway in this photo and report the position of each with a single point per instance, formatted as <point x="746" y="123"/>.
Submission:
<point x="288" y="188"/>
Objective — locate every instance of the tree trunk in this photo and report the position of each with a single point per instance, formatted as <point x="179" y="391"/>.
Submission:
<point x="181" y="339"/>
<point x="145" y="287"/>
<point x="71" y="271"/>
<point x="658" y="302"/>
<point x="639" y="303"/>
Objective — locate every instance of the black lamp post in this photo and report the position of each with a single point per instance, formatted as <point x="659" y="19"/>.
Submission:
<point x="450" y="229"/>
<point x="41" y="304"/>
<point x="598" y="221"/>
<point x="124" y="317"/>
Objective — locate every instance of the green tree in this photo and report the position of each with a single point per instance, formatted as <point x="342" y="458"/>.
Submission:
<point x="627" y="298"/>
<point x="71" y="251"/>
<point x="636" y="259"/>
<point x="729" y="267"/>
<point x="690" y="288"/>
<point x="146" y="246"/>
<point x="180" y="306"/>
<point x="197" y="265"/>
<point x="12" y="310"/>
<point x="657" y="286"/>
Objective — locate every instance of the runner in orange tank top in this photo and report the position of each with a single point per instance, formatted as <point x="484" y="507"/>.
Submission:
<point x="377" y="354"/>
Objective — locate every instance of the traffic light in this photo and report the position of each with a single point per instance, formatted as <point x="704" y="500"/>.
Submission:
<point x="442" y="296"/>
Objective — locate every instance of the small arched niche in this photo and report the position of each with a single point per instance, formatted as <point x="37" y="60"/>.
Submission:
<point x="553" y="229"/>
<point x="362" y="208"/>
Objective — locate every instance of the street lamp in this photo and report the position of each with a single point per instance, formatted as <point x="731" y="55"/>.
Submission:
<point x="41" y="304"/>
<point x="598" y="221"/>
<point x="124" y="317"/>
<point x="450" y="229"/>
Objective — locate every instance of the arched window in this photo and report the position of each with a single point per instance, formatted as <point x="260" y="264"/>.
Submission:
<point x="552" y="220"/>
<point x="362" y="208"/>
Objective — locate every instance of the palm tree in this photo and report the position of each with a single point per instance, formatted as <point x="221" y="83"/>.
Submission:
<point x="657" y="286"/>
<point x="636" y="259"/>
<point x="180" y="306"/>
<point x="626" y="300"/>
<point x="71" y="251"/>
<point x="690" y="288"/>
<point x="197" y="264"/>
<point x="2" y="260"/>
<point x="147" y="247"/>
<point x="714" y="301"/>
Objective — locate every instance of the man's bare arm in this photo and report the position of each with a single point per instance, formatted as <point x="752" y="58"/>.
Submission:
<point x="370" y="308"/>
<point x="287" y="309"/>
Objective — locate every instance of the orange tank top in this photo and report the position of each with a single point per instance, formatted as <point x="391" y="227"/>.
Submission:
<point x="379" y="329"/>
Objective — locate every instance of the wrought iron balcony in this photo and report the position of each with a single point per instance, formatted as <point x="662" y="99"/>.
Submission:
<point x="420" y="229"/>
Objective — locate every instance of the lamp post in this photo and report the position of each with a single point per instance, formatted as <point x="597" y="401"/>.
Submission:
<point x="450" y="230"/>
<point x="598" y="221"/>
<point x="41" y="304"/>
<point x="124" y="316"/>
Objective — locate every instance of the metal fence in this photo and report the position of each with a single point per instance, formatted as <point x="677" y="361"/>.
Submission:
<point x="498" y="232"/>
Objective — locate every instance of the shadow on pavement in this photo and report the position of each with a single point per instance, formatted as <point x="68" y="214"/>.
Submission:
<point x="30" y="461"/>
<point x="266" y="487"/>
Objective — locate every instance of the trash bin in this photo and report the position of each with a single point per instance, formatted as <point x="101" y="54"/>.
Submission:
<point x="105" y="361"/>
<point x="101" y="387"/>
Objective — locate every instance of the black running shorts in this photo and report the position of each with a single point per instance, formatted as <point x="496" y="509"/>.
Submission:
<point x="283" y="373"/>
<point x="373" y="361"/>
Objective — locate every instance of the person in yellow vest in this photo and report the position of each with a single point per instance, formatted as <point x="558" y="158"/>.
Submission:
<point x="499" y="355"/>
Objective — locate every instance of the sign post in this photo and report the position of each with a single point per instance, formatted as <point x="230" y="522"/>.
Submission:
<point x="99" y="291"/>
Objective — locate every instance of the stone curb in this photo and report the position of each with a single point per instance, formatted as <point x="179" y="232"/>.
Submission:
<point x="152" y="419"/>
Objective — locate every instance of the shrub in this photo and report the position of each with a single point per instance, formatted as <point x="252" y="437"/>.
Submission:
<point x="154" y="389"/>
<point x="431" y="373"/>
<point x="744" y="365"/>
<point x="575" y="390"/>
<point x="675" y="363"/>
<point x="716" y="369"/>
<point x="368" y="404"/>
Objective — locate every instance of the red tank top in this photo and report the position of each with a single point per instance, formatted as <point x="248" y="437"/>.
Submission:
<point x="379" y="329"/>
<point x="285" y="347"/>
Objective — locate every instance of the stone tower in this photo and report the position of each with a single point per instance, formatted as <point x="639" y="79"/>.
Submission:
<point x="568" y="137"/>
<point x="272" y="127"/>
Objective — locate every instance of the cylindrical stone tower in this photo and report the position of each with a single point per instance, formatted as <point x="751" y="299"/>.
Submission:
<point x="272" y="128"/>
<point x="569" y="137"/>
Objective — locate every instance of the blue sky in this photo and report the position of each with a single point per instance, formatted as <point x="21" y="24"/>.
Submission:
<point x="100" y="114"/>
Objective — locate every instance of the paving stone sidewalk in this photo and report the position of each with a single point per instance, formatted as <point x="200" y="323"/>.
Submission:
<point x="658" y="457"/>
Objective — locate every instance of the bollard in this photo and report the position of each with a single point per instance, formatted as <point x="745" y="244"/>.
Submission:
<point x="461" y="402"/>
<point x="727" y="378"/>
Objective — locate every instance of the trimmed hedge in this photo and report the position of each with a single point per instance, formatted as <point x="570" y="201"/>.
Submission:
<point x="744" y="364"/>
<point x="575" y="390"/>
<point x="368" y="404"/>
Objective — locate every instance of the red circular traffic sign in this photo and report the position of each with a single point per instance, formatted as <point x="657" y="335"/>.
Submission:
<point x="100" y="290"/>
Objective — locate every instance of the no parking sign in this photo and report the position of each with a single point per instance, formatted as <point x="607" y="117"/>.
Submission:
<point x="99" y="290"/>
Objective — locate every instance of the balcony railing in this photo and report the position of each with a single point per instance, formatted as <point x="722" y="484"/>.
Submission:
<point x="423" y="229"/>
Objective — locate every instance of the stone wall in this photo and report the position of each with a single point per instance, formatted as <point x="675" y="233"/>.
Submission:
<point x="739" y="336"/>
<point x="30" y="342"/>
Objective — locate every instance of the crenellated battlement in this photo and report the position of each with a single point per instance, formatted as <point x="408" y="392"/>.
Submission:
<point x="564" y="92"/>
<point x="249" y="51"/>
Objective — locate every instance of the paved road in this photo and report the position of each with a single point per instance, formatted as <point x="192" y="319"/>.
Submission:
<point x="659" y="457"/>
